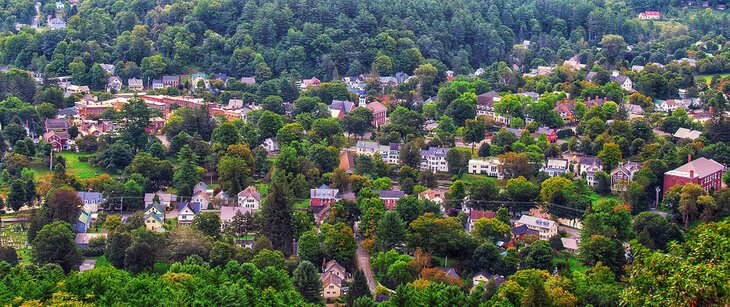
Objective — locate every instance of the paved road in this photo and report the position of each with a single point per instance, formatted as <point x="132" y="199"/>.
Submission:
<point x="572" y="232"/>
<point x="363" y="262"/>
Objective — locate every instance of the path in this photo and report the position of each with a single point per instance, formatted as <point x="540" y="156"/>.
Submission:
<point x="163" y="140"/>
<point x="363" y="262"/>
<point x="37" y="18"/>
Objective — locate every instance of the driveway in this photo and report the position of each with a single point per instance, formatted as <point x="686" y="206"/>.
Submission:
<point x="363" y="262"/>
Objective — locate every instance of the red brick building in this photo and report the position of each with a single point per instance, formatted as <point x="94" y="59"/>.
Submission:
<point x="379" y="113"/>
<point x="390" y="198"/>
<point x="704" y="172"/>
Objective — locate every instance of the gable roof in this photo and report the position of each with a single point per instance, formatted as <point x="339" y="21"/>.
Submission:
<point x="476" y="214"/>
<point x="248" y="80"/>
<point x="342" y="106"/>
<point x="523" y="229"/>
<point x="227" y="213"/>
<point x="450" y="272"/>
<point x="684" y="133"/>
<point x="90" y="197"/>
<point x="164" y="197"/>
<point x="250" y="192"/>
<point x="536" y="221"/>
<point x="57" y="124"/>
<point x="347" y="161"/>
<point x="330" y="279"/>
<point x="60" y="134"/>
<point x="376" y="107"/>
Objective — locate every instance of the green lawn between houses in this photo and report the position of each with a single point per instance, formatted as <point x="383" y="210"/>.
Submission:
<point x="708" y="77"/>
<point x="82" y="170"/>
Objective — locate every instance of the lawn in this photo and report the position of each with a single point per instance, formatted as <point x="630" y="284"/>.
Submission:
<point x="19" y="237"/>
<point x="82" y="170"/>
<point x="100" y="261"/>
<point x="708" y="78"/>
<point x="595" y="197"/>
<point x="576" y="265"/>
<point x="302" y="205"/>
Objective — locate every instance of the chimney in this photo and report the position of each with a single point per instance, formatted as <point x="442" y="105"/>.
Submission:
<point x="691" y="173"/>
<point x="689" y="158"/>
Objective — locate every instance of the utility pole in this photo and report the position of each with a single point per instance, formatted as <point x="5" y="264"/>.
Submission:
<point x="50" y="164"/>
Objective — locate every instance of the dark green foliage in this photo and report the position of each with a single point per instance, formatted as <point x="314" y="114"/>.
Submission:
<point x="359" y="288"/>
<point x="306" y="281"/>
<point x="56" y="243"/>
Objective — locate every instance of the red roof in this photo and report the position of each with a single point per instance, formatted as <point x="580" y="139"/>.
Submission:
<point x="476" y="214"/>
<point x="376" y="107"/>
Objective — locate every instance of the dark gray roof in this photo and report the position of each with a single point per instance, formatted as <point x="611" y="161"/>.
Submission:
<point x="389" y="193"/>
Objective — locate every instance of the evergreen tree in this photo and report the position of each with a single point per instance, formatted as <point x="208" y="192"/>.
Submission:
<point x="306" y="281"/>
<point x="359" y="288"/>
<point x="187" y="172"/>
<point x="277" y="213"/>
<point x="390" y="232"/>
<point x="117" y="244"/>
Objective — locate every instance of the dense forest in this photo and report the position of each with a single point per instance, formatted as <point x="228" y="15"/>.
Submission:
<point x="330" y="39"/>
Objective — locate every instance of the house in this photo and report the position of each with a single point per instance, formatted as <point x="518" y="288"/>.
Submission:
<point x="228" y="212"/>
<point x="108" y="68"/>
<point x="650" y="15"/>
<point x="307" y="83"/>
<point x="533" y="95"/>
<point x="270" y="145"/>
<point x="331" y="286"/>
<point x="324" y="195"/>
<point x="154" y="216"/>
<point x="633" y="109"/>
<point x="485" y="103"/>
<point x="165" y="199"/>
<point x="186" y="211"/>
<point x="343" y="107"/>
<point x="88" y="264"/>
<point x="390" y="197"/>
<point x="522" y="230"/>
<point x="114" y="84"/>
<point x="570" y="244"/>
<point x="379" y="113"/>
<point x="195" y="79"/>
<point x="157" y="84"/>
<point x="83" y="239"/>
<point x="479" y="72"/>
<point x="550" y="134"/>
<point x="84" y="221"/>
<point x="555" y="167"/>
<point x="566" y="109"/>
<point x="347" y="161"/>
<point x="91" y="199"/>
<point x="624" y="81"/>
<point x="623" y="174"/>
<point x="171" y="81"/>
<point x="704" y="172"/>
<point x="487" y="166"/>
<point x="56" y="23"/>
<point x="135" y="84"/>
<point x="248" y="80"/>
<point x="671" y="105"/>
<point x="475" y="215"/>
<point x="637" y="68"/>
<point x="484" y="278"/>
<point x="59" y="140"/>
<point x="401" y="77"/>
<point x="221" y="77"/>
<point x="684" y="133"/>
<point x="335" y="268"/>
<point x="449" y="272"/>
<point x="201" y="186"/>
<point x="201" y="197"/>
<point x="434" y="159"/>
<point x="155" y="125"/>
<point x="433" y="195"/>
<point x="249" y="198"/>
<point x="60" y="124"/>
<point x="76" y="89"/>
<point x="222" y="197"/>
<point x="545" y="228"/>
<point x="589" y="166"/>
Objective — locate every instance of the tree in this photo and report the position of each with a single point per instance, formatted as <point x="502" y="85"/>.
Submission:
<point x="137" y="116"/>
<point x="474" y="132"/>
<point x="439" y="236"/>
<point x="688" y="201"/>
<point x="269" y="123"/>
<point x="65" y="205"/>
<point x="277" y="213"/>
<point x="185" y="242"/>
<point x="17" y="196"/>
<point x="117" y="244"/>
<point x="603" y="249"/>
<point x="187" y="173"/>
<point x="538" y="255"/>
<point x="515" y="164"/>
<point x="208" y="223"/>
<point x="487" y="258"/>
<point x="309" y="247"/>
<point x="490" y="230"/>
<point x="226" y="134"/>
<point x="655" y="231"/>
<point x="610" y="155"/>
<point x="358" y="289"/>
<point x="268" y="258"/>
<point x="390" y="232"/>
<point x="56" y="243"/>
<point x="457" y="160"/>
<point x="306" y="281"/>
<point x="339" y="242"/>
<point x="557" y="190"/>
<point x="234" y="174"/>
<point x="612" y="47"/>
<point x="462" y="108"/>
<point x="9" y="255"/>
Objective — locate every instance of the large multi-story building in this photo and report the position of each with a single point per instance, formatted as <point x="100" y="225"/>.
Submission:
<point x="545" y="228"/>
<point x="434" y="159"/>
<point x="486" y="166"/>
<point x="704" y="172"/>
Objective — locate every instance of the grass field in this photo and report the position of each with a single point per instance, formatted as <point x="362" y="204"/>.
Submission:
<point x="100" y="261"/>
<point x="82" y="170"/>
<point x="595" y="197"/>
<point x="303" y="205"/>
<point x="576" y="265"/>
<point x="708" y="78"/>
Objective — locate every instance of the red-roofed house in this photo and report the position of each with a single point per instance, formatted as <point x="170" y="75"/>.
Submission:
<point x="58" y="139"/>
<point x="475" y="215"/>
<point x="704" y="172"/>
<point x="379" y="113"/>
<point x="650" y="15"/>
<point x="390" y="197"/>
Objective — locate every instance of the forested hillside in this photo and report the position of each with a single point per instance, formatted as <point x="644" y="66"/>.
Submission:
<point x="327" y="39"/>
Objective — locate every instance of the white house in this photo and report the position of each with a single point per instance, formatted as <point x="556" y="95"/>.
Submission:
<point x="249" y="198"/>
<point x="545" y="228"/>
<point x="555" y="167"/>
<point x="489" y="167"/>
<point x="589" y="166"/>
<point x="202" y="197"/>
<point x="270" y="145"/>
<point x="186" y="212"/>
<point x="434" y="159"/>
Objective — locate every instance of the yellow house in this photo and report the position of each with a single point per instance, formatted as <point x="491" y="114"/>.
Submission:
<point x="331" y="285"/>
<point x="154" y="217"/>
